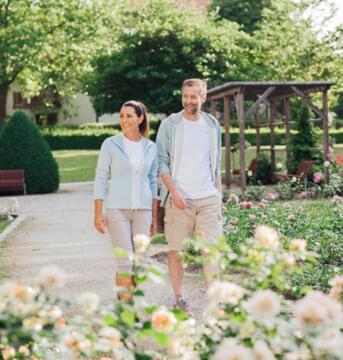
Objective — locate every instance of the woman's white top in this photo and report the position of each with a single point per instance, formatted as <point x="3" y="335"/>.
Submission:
<point x="134" y="151"/>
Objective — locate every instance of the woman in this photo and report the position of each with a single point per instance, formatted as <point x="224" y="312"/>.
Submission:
<point x="128" y="162"/>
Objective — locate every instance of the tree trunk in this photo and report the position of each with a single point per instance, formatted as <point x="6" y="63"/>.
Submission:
<point x="3" y="100"/>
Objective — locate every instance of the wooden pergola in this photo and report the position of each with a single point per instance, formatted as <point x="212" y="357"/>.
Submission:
<point x="269" y="93"/>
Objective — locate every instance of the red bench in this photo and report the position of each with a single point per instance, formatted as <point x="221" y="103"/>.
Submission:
<point x="339" y="160"/>
<point x="12" y="180"/>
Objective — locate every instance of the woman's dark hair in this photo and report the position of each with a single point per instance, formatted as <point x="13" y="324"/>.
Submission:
<point x="140" y="110"/>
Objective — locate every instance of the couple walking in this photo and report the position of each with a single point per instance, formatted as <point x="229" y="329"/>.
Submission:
<point x="187" y="158"/>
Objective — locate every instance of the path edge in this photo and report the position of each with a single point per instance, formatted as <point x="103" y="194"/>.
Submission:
<point x="14" y="224"/>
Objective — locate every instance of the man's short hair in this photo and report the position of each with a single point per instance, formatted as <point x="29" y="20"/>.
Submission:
<point x="196" y="82"/>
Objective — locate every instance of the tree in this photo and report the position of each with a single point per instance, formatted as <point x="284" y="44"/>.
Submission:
<point x="46" y="44"/>
<point x="302" y="145"/>
<point x="159" y="46"/>
<point x="23" y="147"/>
<point x="247" y="13"/>
<point x="288" y="47"/>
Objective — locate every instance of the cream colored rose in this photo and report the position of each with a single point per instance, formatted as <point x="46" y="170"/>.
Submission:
<point x="163" y="320"/>
<point x="267" y="237"/>
<point x="225" y="292"/>
<point x="298" y="245"/>
<point x="231" y="350"/>
<point x="141" y="243"/>
<point x="316" y="308"/>
<point x="264" y="305"/>
<point x="51" y="277"/>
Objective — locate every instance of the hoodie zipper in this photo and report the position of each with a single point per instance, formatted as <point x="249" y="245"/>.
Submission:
<point x="134" y="175"/>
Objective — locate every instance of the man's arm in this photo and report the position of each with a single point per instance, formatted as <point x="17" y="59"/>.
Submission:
<point x="177" y="198"/>
<point x="163" y="146"/>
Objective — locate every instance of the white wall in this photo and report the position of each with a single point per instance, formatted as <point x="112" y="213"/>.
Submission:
<point x="80" y="110"/>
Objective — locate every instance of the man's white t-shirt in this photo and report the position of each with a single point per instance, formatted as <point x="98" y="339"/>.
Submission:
<point x="194" y="177"/>
<point x="134" y="151"/>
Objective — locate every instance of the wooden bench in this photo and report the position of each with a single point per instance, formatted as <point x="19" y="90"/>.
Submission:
<point x="12" y="181"/>
<point x="339" y="160"/>
<point x="303" y="171"/>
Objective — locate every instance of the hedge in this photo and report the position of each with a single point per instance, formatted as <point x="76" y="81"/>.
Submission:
<point x="91" y="137"/>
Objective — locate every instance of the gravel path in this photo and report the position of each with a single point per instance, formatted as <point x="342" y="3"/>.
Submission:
<point x="58" y="230"/>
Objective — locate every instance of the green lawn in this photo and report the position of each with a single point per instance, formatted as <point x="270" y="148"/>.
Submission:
<point x="79" y="165"/>
<point x="76" y="165"/>
<point x="4" y="224"/>
<point x="280" y="155"/>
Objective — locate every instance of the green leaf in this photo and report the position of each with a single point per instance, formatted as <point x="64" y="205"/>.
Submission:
<point x="161" y="338"/>
<point x="118" y="251"/>
<point x="128" y="317"/>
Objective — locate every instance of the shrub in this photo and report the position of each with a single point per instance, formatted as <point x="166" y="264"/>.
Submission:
<point x="254" y="193"/>
<point x="23" y="147"/>
<point x="302" y="145"/>
<point x="264" y="171"/>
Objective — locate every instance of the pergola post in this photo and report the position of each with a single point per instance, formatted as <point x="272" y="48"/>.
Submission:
<point x="227" y="121"/>
<point x="272" y="134"/>
<point x="213" y="108"/>
<point x="240" y="116"/>
<point x="287" y="114"/>
<point x="258" y="134"/>
<point x="326" y="134"/>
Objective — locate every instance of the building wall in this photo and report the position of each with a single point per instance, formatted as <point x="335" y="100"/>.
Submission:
<point x="79" y="111"/>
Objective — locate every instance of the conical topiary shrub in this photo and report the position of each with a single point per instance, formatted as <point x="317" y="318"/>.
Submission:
<point x="23" y="147"/>
<point x="303" y="144"/>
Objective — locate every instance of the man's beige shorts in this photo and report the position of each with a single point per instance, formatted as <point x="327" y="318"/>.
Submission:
<point x="202" y="217"/>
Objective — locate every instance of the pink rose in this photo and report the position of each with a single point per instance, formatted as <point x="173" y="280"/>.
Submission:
<point x="246" y="204"/>
<point x="261" y="205"/>
<point x="302" y="195"/>
<point x="317" y="177"/>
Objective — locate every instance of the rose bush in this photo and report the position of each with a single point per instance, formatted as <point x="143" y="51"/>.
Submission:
<point x="247" y="315"/>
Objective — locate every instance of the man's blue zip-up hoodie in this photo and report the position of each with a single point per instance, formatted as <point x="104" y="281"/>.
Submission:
<point x="118" y="183"/>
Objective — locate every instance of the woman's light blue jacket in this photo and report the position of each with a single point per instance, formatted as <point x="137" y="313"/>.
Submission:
<point x="118" y="183"/>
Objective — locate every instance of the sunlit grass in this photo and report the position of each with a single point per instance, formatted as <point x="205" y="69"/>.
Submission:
<point x="79" y="165"/>
<point x="76" y="165"/>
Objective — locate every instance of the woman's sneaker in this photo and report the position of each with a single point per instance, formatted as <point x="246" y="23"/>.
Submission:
<point x="182" y="305"/>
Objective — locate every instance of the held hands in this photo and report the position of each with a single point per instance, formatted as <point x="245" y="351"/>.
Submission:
<point x="178" y="200"/>
<point x="100" y="223"/>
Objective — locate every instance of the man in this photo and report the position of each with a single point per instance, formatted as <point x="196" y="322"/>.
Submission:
<point x="189" y="152"/>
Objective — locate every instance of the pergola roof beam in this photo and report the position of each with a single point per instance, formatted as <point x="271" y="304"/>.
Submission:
<point x="261" y="99"/>
<point x="308" y="102"/>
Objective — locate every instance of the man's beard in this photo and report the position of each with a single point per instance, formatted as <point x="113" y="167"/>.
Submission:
<point x="191" y="110"/>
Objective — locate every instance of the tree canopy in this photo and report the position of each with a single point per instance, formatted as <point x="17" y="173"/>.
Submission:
<point x="247" y="13"/>
<point x="159" y="46"/>
<point x="46" y="44"/>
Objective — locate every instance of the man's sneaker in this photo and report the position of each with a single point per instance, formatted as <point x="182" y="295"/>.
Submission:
<point x="182" y="305"/>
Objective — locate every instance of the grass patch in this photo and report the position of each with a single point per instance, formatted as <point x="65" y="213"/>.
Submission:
<point x="76" y="165"/>
<point x="159" y="239"/>
<point x="4" y="252"/>
<point x="79" y="165"/>
<point x="4" y="224"/>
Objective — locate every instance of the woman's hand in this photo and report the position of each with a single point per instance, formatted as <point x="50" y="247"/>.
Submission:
<point x="100" y="223"/>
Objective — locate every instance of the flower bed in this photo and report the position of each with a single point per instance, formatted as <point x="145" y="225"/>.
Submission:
<point x="246" y="317"/>
<point x="317" y="221"/>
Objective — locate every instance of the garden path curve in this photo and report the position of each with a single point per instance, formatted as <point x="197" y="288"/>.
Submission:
<point x="58" y="230"/>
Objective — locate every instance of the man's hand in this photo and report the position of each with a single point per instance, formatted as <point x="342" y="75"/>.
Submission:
<point x="178" y="200"/>
<point x="100" y="223"/>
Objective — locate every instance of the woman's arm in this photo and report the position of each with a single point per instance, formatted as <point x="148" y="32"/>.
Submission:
<point x="99" y="219"/>
<point x="100" y="186"/>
